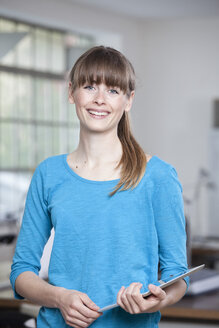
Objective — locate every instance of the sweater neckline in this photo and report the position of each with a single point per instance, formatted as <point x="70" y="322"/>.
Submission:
<point x="114" y="181"/>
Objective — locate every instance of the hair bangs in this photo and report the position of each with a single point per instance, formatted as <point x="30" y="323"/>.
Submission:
<point x="104" y="66"/>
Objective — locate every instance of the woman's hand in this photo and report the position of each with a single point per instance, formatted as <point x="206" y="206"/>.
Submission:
<point x="131" y="300"/>
<point x="77" y="308"/>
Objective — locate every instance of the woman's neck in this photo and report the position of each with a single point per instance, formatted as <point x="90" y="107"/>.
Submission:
<point x="97" y="157"/>
<point x="98" y="149"/>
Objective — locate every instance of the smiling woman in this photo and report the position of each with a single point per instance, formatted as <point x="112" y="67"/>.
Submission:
<point x="113" y="209"/>
<point x="100" y="99"/>
<point x="104" y="80"/>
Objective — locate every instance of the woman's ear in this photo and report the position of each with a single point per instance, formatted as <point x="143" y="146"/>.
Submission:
<point x="130" y="101"/>
<point x="70" y="94"/>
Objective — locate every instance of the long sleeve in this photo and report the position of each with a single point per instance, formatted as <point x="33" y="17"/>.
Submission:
<point x="35" y="229"/>
<point x="88" y="222"/>
<point x="170" y="224"/>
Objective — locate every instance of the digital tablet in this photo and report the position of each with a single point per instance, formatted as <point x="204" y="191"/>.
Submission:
<point x="162" y="284"/>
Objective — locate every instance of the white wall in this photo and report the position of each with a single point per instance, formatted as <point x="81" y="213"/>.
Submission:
<point x="177" y="67"/>
<point x="179" y="81"/>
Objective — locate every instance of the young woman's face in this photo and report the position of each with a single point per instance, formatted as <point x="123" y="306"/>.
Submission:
<point x="100" y="108"/>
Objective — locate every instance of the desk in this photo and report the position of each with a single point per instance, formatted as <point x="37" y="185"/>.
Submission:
<point x="9" y="303"/>
<point x="195" y="308"/>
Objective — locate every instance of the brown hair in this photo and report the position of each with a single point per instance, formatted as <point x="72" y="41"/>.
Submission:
<point x="107" y="65"/>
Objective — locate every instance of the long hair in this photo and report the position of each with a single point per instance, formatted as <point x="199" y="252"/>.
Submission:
<point x="109" y="66"/>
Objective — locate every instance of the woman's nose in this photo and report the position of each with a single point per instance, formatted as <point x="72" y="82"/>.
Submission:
<point x="99" y="97"/>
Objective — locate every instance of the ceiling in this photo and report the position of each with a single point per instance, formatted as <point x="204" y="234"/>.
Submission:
<point x="155" y="9"/>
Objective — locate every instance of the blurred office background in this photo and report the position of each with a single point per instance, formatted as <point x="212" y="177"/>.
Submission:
<point x="174" y="47"/>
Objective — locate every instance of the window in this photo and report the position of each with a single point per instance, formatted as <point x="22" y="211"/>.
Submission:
<point x="36" y="120"/>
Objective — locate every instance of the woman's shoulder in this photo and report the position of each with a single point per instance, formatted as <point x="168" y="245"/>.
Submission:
<point x="158" y="169"/>
<point x="157" y="162"/>
<point x="51" y="165"/>
<point x="50" y="172"/>
<point x="52" y="160"/>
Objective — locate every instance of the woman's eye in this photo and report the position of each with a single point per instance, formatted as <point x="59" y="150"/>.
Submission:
<point x="89" y="87"/>
<point x="113" y="91"/>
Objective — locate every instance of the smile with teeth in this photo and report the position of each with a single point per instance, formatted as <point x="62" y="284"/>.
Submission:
<point x="96" y="113"/>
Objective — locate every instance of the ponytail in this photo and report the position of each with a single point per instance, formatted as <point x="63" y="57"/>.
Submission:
<point x="133" y="161"/>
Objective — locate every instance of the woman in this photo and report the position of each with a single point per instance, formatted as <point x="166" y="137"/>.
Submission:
<point x="117" y="213"/>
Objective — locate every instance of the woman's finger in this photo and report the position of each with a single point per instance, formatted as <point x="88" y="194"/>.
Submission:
<point x="75" y="314"/>
<point x="137" y="297"/>
<point x="74" y="322"/>
<point x="87" y="313"/>
<point x="122" y="300"/>
<point x="119" y="302"/>
<point x="125" y="298"/>
<point x="157" y="291"/>
<point x="87" y="308"/>
<point x="88" y="302"/>
<point x="134" y="297"/>
<point x="126" y="306"/>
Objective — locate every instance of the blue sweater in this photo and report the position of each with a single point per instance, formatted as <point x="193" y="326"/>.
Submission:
<point x="102" y="242"/>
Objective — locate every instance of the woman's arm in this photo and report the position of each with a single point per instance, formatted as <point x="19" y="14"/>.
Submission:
<point x="77" y="308"/>
<point x="132" y="301"/>
<point x="170" y="227"/>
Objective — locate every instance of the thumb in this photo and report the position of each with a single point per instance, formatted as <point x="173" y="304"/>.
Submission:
<point x="157" y="291"/>
<point x="88" y="302"/>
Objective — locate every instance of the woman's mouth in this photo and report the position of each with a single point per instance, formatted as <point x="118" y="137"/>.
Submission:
<point x="98" y="114"/>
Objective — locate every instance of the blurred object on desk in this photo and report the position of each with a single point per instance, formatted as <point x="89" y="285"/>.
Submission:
<point x="8" y="234"/>
<point x="205" y="250"/>
<point x="5" y="287"/>
<point x="14" y="313"/>
<point x="201" y="308"/>
<point x="196" y="204"/>
<point x="13" y="189"/>
<point x="203" y="281"/>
